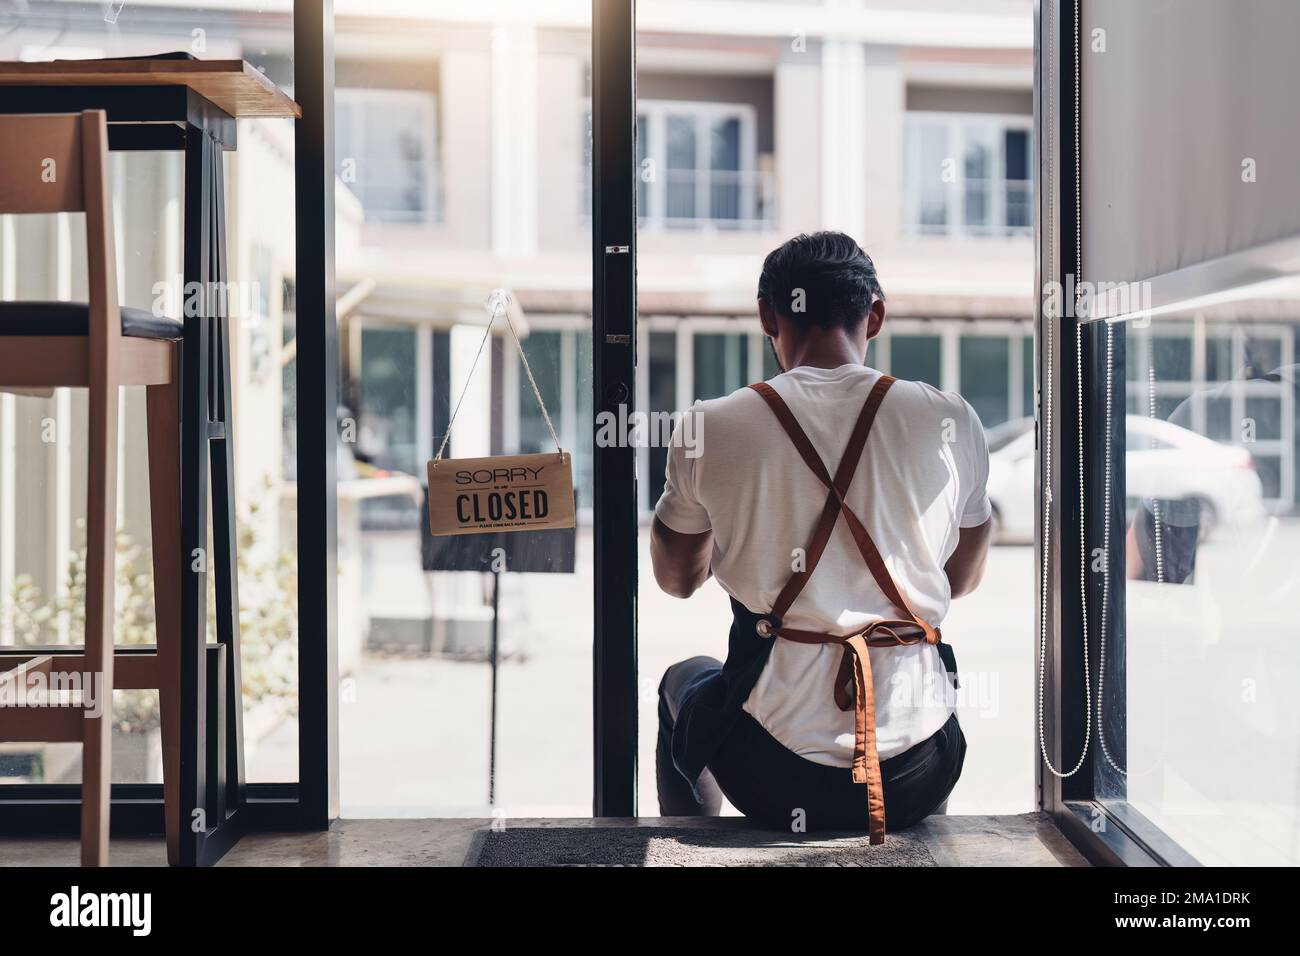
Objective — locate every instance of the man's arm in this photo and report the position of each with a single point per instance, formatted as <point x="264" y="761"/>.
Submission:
<point x="681" y="561"/>
<point x="966" y="566"/>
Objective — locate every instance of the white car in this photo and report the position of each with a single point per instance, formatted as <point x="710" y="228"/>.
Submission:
<point x="1163" y="460"/>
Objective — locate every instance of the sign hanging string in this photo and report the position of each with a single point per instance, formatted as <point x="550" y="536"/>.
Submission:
<point x="498" y="303"/>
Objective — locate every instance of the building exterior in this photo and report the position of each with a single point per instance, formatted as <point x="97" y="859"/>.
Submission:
<point x="757" y="120"/>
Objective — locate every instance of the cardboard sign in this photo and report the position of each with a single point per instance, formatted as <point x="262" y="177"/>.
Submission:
<point x="505" y="493"/>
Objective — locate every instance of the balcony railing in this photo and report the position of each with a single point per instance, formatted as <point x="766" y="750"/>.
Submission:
<point x="708" y="200"/>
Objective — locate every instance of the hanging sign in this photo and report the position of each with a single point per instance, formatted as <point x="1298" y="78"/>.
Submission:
<point x="506" y="492"/>
<point x="503" y="493"/>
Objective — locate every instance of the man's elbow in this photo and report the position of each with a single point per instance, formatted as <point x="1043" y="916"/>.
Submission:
<point x="675" y="585"/>
<point x="965" y="568"/>
<point x="965" y="583"/>
<point x="676" y="572"/>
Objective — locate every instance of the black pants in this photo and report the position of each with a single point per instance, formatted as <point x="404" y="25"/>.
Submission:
<point x="777" y="788"/>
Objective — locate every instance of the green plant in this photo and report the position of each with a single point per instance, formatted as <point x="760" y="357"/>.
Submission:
<point x="268" y="617"/>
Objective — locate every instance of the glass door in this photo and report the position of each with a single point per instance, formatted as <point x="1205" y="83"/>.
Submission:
<point x="932" y="180"/>
<point x="464" y="692"/>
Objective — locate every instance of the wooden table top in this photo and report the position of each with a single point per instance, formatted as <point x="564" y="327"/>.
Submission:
<point x="231" y="85"/>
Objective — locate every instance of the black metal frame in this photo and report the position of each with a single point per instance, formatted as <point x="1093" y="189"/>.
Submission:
<point x="1089" y="806"/>
<point x="317" y="384"/>
<point x="613" y="256"/>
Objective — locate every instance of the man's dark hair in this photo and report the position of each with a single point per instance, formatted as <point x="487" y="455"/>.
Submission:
<point x="824" y="280"/>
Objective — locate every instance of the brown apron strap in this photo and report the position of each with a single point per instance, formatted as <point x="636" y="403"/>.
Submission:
<point x="853" y="683"/>
<point x="835" y="502"/>
<point x="866" y="759"/>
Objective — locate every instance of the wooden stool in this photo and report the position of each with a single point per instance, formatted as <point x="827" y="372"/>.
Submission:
<point x="59" y="163"/>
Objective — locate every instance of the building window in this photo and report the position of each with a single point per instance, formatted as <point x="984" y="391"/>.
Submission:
<point x="698" y="165"/>
<point x="968" y="175"/>
<point x="387" y="152"/>
<point x="917" y="358"/>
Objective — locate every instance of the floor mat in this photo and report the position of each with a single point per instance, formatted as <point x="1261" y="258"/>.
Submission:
<point x="687" y="846"/>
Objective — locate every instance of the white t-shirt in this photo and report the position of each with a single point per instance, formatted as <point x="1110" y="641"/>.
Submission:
<point x="922" y="478"/>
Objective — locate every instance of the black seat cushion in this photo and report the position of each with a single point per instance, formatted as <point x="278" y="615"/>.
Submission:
<point x="70" y="318"/>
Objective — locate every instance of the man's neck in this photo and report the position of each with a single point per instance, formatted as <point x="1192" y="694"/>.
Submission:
<point x="827" y="355"/>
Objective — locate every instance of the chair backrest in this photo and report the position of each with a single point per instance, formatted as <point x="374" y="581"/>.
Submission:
<point x="58" y="162"/>
<point x="42" y="163"/>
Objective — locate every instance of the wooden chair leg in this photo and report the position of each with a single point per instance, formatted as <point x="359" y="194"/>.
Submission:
<point x="101" y="535"/>
<point x="163" y="405"/>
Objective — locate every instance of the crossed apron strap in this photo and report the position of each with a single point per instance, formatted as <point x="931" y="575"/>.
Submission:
<point x="855" y="667"/>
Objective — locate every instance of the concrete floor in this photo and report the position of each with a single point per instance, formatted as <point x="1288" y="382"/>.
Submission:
<point x="1015" y="840"/>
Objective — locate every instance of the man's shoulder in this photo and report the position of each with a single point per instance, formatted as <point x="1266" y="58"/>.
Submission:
<point x="739" y="405"/>
<point x="924" y="398"/>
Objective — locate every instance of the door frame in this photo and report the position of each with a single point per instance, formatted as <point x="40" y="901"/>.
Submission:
<point x="613" y="349"/>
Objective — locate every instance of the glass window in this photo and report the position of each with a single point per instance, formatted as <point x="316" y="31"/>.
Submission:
<point x="916" y="357"/>
<point x="681" y="186"/>
<point x="43" y="439"/>
<point x="545" y="356"/>
<point x="968" y="174"/>
<point x="1171" y="357"/>
<point x="662" y="370"/>
<point x="1027" y="376"/>
<point x="725" y="193"/>
<point x="1201" y="727"/>
<point x="418" y="723"/>
<point x="699" y="166"/>
<point x="928" y="175"/>
<point x="985" y="372"/>
<point x="977" y="167"/>
<point x="1018" y="179"/>
<point x="386" y="422"/>
<point x="721" y="363"/>
<point x="384" y="140"/>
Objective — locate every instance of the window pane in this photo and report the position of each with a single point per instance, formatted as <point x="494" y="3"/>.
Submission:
<point x="545" y="358"/>
<point x="1201" y="718"/>
<point x="681" y="172"/>
<point x="386" y="420"/>
<point x="1171" y="356"/>
<point x="1027" y="375"/>
<point x="701" y="281"/>
<point x="662" y="370"/>
<point x="1218" y="358"/>
<point x="932" y="162"/>
<point x="681" y="142"/>
<point x="415" y="635"/>
<point x="721" y="363"/>
<point x="977" y="167"/>
<point x="384" y="145"/>
<point x="916" y="357"/>
<point x="1016" y="159"/>
<point x="1019" y="190"/>
<point x="43" y="440"/>
<point x="985" y="372"/>
<point x="725" y="180"/>
<point x="724" y="142"/>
